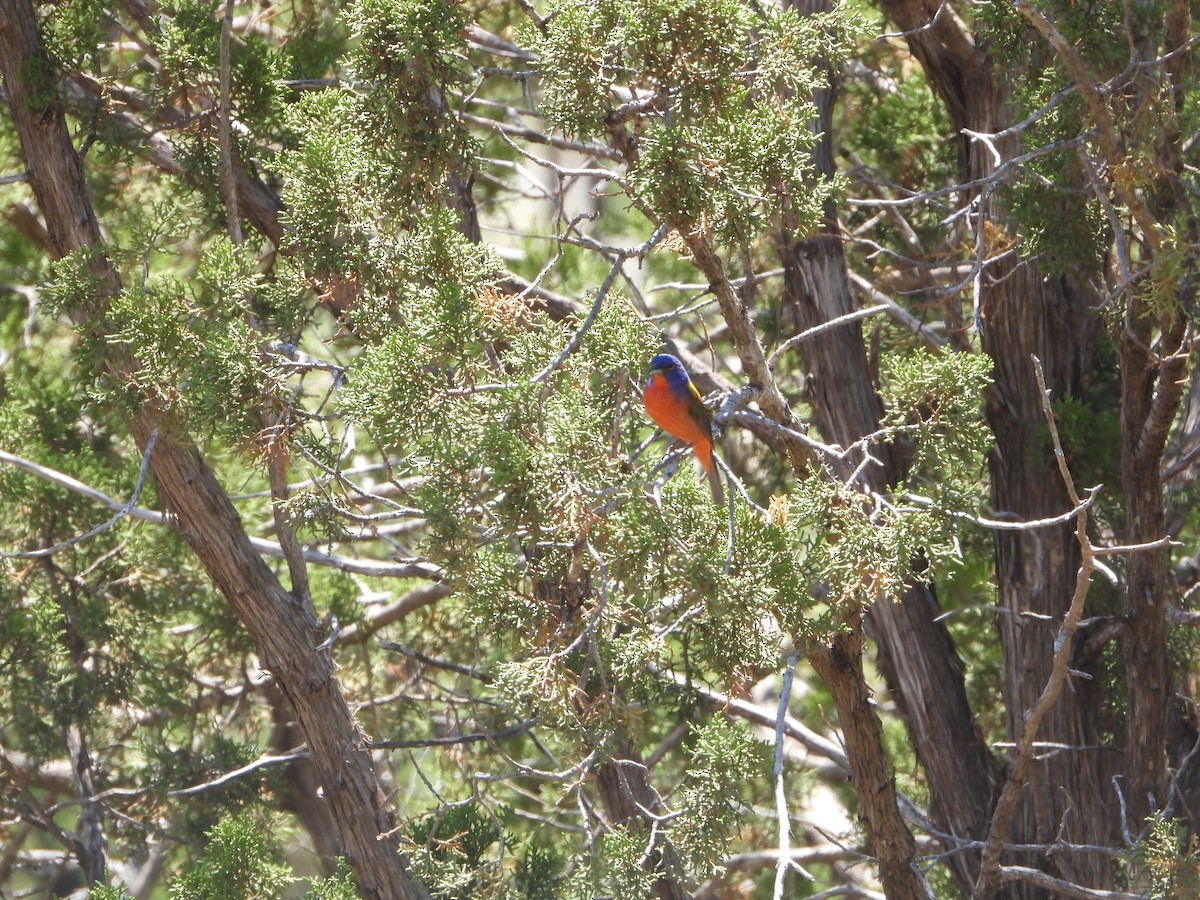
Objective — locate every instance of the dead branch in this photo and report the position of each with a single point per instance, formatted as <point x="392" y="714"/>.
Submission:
<point x="1006" y="807"/>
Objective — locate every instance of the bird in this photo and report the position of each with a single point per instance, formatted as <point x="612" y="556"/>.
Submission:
<point x="673" y="402"/>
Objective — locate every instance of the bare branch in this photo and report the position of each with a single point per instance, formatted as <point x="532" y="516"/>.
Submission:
<point x="413" y="568"/>
<point x="577" y="338"/>
<point x="293" y="553"/>
<point x="784" y="861"/>
<point x="799" y="857"/>
<point x="125" y="509"/>
<point x="234" y="774"/>
<point x="1062" y="888"/>
<point x="750" y="712"/>
<point x="896" y="311"/>
<point x="1101" y="116"/>
<point x="809" y="333"/>
<point x="1006" y="805"/>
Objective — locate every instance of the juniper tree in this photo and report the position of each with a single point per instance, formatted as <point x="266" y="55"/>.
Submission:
<point x="333" y="521"/>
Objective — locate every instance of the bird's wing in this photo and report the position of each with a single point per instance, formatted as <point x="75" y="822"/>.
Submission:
<point x="699" y="411"/>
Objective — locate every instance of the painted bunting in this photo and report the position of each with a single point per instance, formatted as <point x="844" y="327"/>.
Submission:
<point x="675" y="405"/>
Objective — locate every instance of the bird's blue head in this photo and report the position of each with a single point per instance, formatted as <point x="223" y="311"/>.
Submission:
<point x="671" y="369"/>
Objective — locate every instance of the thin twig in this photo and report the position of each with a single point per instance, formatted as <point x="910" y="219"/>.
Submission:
<point x="577" y="338"/>
<point x="823" y="327"/>
<point x="1060" y="888"/>
<point x="1098" y="107"/>
<point x="436" y="663"/>
<point x="225" y="132"/>
<point x="293" y="552"/>
<point x="750" y="712"/>
<point x="897" y="312"/>
<point x="407" y="568"/>
<point x="264" y="761"/>
<point x="234" y="774"/>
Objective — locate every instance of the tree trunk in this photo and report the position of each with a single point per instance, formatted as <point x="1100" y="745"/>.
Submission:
<point x="1022" y="312"/>
<point x="1069" y="792"/>
<point x="624" y="786"/>
<point x="1151" y="390"/>
<point x="284" y="630"/>
<point x="840" y="665"/>
<point x="281" y="625"/>
<point x="915" y="652"/>
<point x="301" y="794"/>
<point x="885" y="815"/>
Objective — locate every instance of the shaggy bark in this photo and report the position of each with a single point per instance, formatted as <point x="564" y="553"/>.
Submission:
<point x="1024" y="312"/>
<point x="628" y="797"/>
<point x="1151" y="392"/>
<point x="915" y="652"/>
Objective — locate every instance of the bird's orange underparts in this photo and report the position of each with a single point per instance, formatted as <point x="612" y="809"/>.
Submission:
<point x="674" y="404"/>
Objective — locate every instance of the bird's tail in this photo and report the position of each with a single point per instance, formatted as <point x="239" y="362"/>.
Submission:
<point x="714" y="484"/>
<point x="704" y="453"/>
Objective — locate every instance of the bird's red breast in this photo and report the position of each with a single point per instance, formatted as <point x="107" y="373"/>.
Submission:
<point x="673" y="413"/>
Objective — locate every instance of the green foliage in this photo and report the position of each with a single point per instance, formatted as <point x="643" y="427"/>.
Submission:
<point x="199" y="355"/>
<point x="409" y="51"/>
<point x="317" y="42"/>
<point x="324" y="179"/>
<point x="40" y="73"/>
<point x="339" y="886"/>
<point x="899" y="131"/>
<point x="688" y="47"/>
<point x="238" y="863"/>
<point x="452" y="844"/>
<point x="462" y="852"/>
<point x="1060" y="242"/>
<point x="80" y="629"/>
<point x="74" y="284"/>
<point x="107" y="892"/>
<point x="1084" y="421"/>
<point x="1052" y="199"/>
<point x="719" y="98"/>
<point x="350" y="203"/>
<point x="934" y="407"/>
<point x="190" y="35"/>
<point x="336" y="887"/>
<point x="170" y="764"/>
<point x="723" y="760"/>
<point x="1087" y="27"/>
<point x="620" y="860"/>
<point x="537" y="871"/>
<point x="1168" y="859"/>
<point x="188" y="40"/>
<point x="75" y="31"/>
<point x="1167" y="293"/>
<point x="189" y="46"/>
<point x="1063" y="231"/>
<point x="410" y="43"/>
<point x="1089" y="420"/>
<point x="425" y="407"/>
